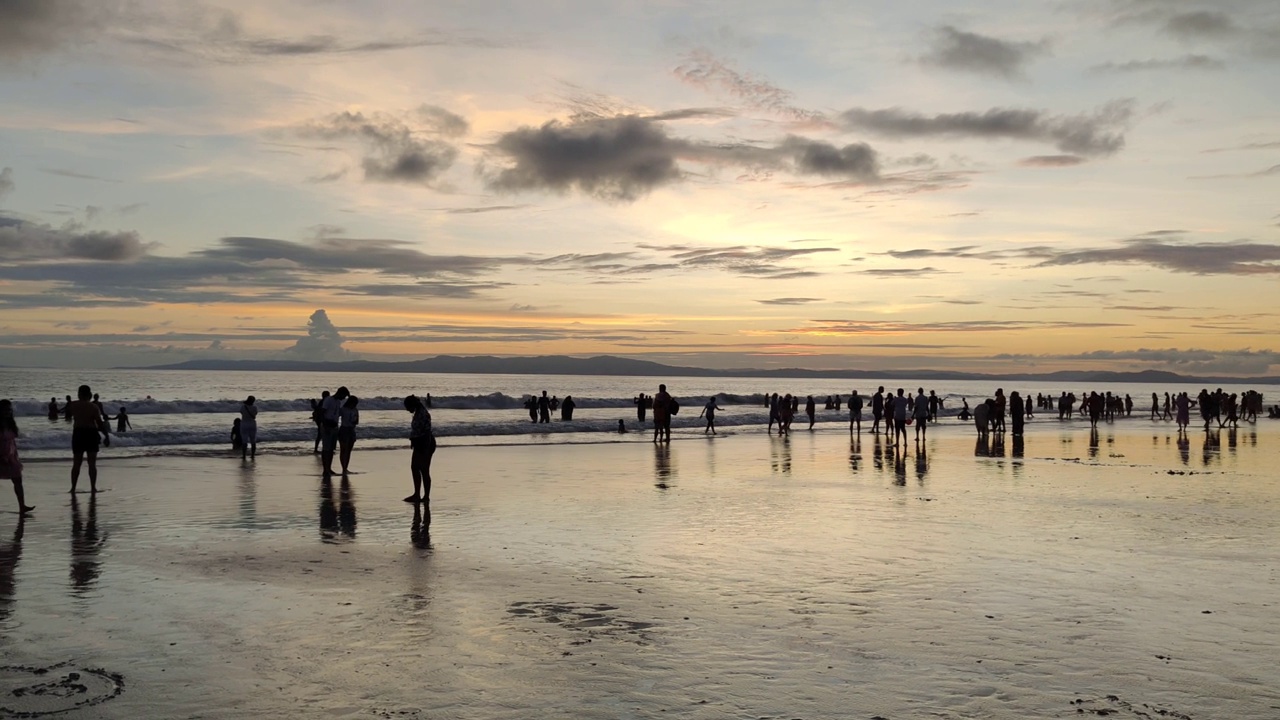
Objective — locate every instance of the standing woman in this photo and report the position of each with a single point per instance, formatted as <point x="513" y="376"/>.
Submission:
<point x="423" y="442"/>
<point x="10" y="465"/>
<point x="249" y="427"/>
<point x="349" y="417"/>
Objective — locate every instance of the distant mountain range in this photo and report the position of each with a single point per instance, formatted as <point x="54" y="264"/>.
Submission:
<point x="611" y="365"/>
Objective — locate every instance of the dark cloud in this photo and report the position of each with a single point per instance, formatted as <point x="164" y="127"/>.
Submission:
<point x="1051" y="161"/>
<point x="693" y="114"/>
<point x="623" y="158"/>
<point x="1185" y="62"/>
<point x="789" y="301"/>
<point x="702" y="69"/>
<point x="482" y="209"/>
<point x="1199" y="258"/>
<point x="323" y="341"/>
<point x="754" y="261"/>
<point x="1247" y="146"/>
<point x="34" y="27"/>
<point x="1095" y="134"/>
<point x="395" y="151"/>
<point x="423" y="289"/>
<point x="339" y="255"/>
<point x="970" y="52"/>
<point x="76" y="175"/>
<point x="900" y="272"/>
<point x="898" y="327"/>
<point x="1201" y="24"/>
<point x="22" y="241"/>
<point x="444" y="122"/>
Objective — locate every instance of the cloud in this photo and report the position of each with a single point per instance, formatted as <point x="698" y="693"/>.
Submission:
<point x="483" y="209"/>
<point x="837" y="328"/>
<point x="76" y="175"/>
<point x="22" y="241"/>
<point x="1265" y="172"/>
<point x="789" y="301"/>
<point x="624" y="158"/>
<point x="1197" y="24"/>
<point x="1190" y="361"/>
<point x="1247" y="146"/>
<point x="748" y="261"/>
<point x="970" y="52"/>
<point x="702" y="69"/>
<point x="6" y="182"/>
<point x="1051" y="161"/>
<point x="322" y="341"/>
<point x="1199" y="258"/>
<point x="395" y="152"/>
<point x="1185" y="62"/>
<point x="33" y="27"/>
<point x="1097" y="134"/>
<point x="443" y="122"/>
<point x="900" y="272"/>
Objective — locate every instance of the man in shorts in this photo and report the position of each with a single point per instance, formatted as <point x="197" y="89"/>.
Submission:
<point x="330" y="410"/>
<point x="86" y="424"/>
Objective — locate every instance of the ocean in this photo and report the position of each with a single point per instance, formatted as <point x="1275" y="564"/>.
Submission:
<point x="177" y="412"/>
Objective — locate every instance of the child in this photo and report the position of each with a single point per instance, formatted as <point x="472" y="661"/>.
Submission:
<point x="10" y="465"/>
<point x="122" y="421"/>
<point x="236" y="441"/>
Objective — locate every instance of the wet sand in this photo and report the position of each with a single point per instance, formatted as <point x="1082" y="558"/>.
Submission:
<point x="743" y="577"/>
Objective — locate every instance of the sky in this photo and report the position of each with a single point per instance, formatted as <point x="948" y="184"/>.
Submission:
<point x="980" y="186"/>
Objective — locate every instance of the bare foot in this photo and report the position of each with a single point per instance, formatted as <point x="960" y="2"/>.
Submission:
<point x="412" y="499"/>
<point x="27" y="508"/>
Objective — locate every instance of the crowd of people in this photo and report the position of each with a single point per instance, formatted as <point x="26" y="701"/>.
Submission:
<point x="336" y="416"/>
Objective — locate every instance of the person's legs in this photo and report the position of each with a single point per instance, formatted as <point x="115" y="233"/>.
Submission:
<point x="23" y="507"/>
<point x="415" y="468"/>
<point x="345" y="443"/>
<point x="93" y="470"/>
<point x="75" y="468"/>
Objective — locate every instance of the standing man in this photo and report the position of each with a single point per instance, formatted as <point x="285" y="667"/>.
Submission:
<point x="662" y="415"/>
<point x="544" y="408"/>
<point x="855" y="412"/>
<point x="86" y="424"/>
<point x="330" y="412"/>
<point x="900" y="417"/>
<point x="877" y="410"/>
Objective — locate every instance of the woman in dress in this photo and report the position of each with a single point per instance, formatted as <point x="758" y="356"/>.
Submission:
<point x="348" y="419"/>
<point x="249" y="427"/>
<point x="423" y="442"/>
<point x="10" y="465"/>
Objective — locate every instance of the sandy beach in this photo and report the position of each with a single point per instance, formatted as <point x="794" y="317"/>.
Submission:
<point x="744" y="576"/>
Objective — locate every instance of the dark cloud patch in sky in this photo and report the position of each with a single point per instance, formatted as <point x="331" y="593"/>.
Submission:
<point x="340" y="254"/>
<point x="34" y="27"/>
<point x="1198" y="24"/>
<point x="789" y="301"/>
<point x="443" y="122"/>
<point x="1185" y="62"/>
<point x="622" y="158"/>
<point x="423" y="289"/>
<point x="1051" y="161"/>
<point x="482" y="209"/>
<point x="395" y="152"/>
<point x="955" y="49"/>
<point x="1198" y="258"/>
<point x="22" y="241"/>
<point x="1096" y="134"/>
<point x="616" y="159"/>
<point x="900" y="272"/>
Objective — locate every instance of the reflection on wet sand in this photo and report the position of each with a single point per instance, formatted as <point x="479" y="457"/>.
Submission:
<point x="248" y="488"/>
<point x="420" y="530"/>
<point x="1184" y="447"/>
<point x="337" y="519"/>
<point x="780" y="454"/>
<point x="1093" y="442"/>
<point x="855" y="454"/>
<point x="663" y="472"/>
<point x="85" y="546"/>
<point x="1212" y="443"/>
<point x="10" y="554"/>
<point x="922" y="464"/>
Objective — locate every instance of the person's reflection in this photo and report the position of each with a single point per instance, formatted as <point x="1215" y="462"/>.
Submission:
<point x="10" y="554"/>
<point x="877" y="454"/>
<point x="899" y="467"/>
<point x="997" y="444"/>
<point x="346" y="508"/>
<point x="1019" y="446"/>
<point x="328" y="511"/>
<point x="1184" y="447"/>
<point x="248" y="497"/>
<point x="85" y="546"/>
<point x="1231" y="438"/>
<point x="922" y="464"/>
<point x="1212" y="441"/>
<point x="662" y="471"/>
<point x="780" y="454"/>
<point x="855" y="454"/>
<point x="420" y="530"/>
<point x="1093" y="442"/>
<point x="982" y="447"/>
